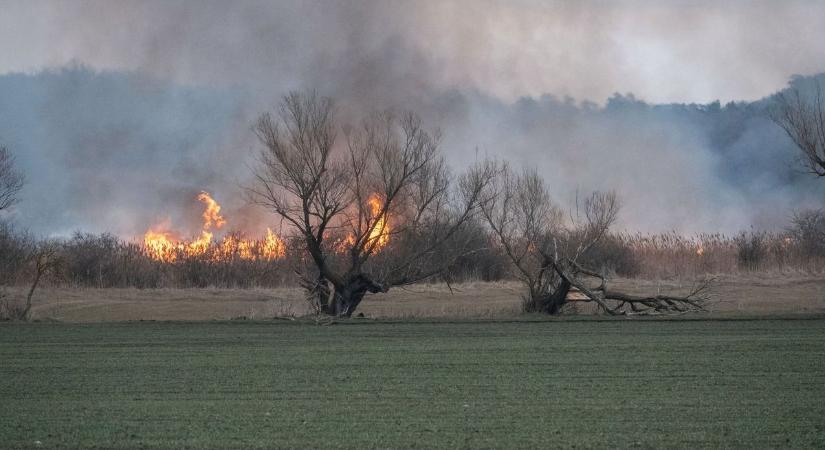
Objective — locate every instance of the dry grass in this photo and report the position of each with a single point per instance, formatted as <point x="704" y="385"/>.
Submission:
<point x="670" y="255"/>
<point x="748" y="294"/>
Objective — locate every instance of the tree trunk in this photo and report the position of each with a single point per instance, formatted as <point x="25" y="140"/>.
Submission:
<point x="346" y="302"/>
<point x="347" y="298"/>
<point x="25" y="314"/>
<point x="554" y="302"/>
<point x="548" y="302"/>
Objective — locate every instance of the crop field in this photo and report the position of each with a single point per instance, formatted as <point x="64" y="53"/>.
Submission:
<point x="381" y="384"/>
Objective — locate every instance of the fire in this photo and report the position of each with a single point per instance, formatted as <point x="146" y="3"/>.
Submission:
<point x="700" y="250"/>
<point x="345" y="244"/>
<point x="200" y="245"/>
<point x="212" y="213"/>
<point x="163" y="246"/>
<point x="380" y="232"/>
<point x="273" y="247"/>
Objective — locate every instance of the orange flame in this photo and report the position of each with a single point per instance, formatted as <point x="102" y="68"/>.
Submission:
<point x="162" y="246"/>
<point x="380" y="232"/>
<point x="378" y="235"/>
<point x="345" y="244"/>
<point x="200" y="245"/>
<point x="273" y="246"/>
<point x="212" y="214"/>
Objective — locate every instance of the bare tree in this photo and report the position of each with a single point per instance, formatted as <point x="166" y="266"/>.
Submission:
<point x="546" y="249"/>
<point x="11" y="180"/>
<point x="803" y="119"/>
<point x="375" y="211"/>
<point x="45" y="259"/>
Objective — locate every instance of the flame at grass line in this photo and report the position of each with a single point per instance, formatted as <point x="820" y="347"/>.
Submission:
<point x="163" y="246"/>
<point x="273" y="246"/>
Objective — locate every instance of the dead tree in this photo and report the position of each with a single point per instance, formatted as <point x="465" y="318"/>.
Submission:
<point x="545" y="248"/>
<point x="45" y="259"/>
<point x="11" y="180"/>
<point x="375" y="210"/>
<point x="802" y="116"/>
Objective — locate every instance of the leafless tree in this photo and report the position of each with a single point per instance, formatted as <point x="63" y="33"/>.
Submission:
<point x="545" y="247"/>
<point x="375" y="210"/>
<point x="45" y="259"/>
<point x="803" y="119"/>
<point x="11" y="180"/>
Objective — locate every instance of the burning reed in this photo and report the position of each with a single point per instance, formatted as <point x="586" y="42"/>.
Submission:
<point x="238" y="261"/>
<point x="105" y="261"/>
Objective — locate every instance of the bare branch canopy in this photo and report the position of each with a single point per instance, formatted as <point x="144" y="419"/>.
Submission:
<point x="803" y="119"/>
<point x="11" y="180"/>
<point x="374" y="204"/>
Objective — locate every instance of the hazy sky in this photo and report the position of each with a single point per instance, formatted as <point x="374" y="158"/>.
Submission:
<point x="662" y="51"/>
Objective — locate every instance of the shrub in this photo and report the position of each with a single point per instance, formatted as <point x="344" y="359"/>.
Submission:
<point x="808" y="232"/>
<point x="14" y="250"/>
<point x="613" y="255"/>
<point x="11" y="309"/>
<point x="751" y="250"/>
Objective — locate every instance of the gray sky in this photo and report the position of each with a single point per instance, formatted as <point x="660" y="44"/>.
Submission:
<point x="662" y="51"/>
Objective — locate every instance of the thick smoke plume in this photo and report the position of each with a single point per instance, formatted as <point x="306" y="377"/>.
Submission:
<point x="157" y="99"/>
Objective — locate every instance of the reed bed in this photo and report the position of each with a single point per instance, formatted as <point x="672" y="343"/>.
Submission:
<point x="671" y="255"/>
<point x="105" y="261"/>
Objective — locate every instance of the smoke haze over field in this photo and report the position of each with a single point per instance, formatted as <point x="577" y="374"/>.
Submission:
<point x="675" y="51"/>
<point x="143" y="104"/>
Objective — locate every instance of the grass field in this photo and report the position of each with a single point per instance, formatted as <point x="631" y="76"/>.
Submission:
<point x="365" y="384"/>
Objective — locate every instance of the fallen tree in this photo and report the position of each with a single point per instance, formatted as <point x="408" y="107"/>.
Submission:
<point x="546" y="250"/>
<point x="613" y="302"/>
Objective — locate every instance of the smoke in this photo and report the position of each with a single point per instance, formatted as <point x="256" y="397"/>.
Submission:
<point x="115" y="152"/>
<point x="677" y="51"/>
<point x="158" y="98"/>
<point x="686" y="168"/>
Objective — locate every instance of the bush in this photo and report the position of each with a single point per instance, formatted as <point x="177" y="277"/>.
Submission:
<point x="612" y="255"/>
<point x="808" y="231"/>
<point x="10" y="309"/>
<point x="104" y="261"/>
<point x="751" y="250"/>
<point x="14" y="250"/>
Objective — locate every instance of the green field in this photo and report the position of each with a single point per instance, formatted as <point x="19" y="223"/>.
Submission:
<point x="371" y="384"/>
